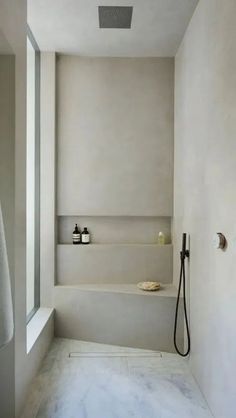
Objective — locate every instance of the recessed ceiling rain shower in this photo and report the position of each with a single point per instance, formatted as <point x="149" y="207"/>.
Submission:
<point x="115" y="17"/>
<point x="148" y="28"/>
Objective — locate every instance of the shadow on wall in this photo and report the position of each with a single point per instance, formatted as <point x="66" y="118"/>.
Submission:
<point x="7" y="199"/>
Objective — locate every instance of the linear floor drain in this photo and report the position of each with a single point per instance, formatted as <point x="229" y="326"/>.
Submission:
<point x="99" y="354"/>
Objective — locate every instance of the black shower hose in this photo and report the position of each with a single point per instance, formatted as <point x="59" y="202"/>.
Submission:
<point x="182" y="278"/>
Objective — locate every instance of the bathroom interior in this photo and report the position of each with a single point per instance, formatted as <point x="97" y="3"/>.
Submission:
<point x="117" y="209"/>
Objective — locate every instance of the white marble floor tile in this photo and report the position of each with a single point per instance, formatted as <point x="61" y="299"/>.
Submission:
<point x="136" y="383"/>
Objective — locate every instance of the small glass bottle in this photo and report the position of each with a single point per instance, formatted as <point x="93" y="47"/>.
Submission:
<point x="85" y="236"/>
<point x="76" y="238"/>
<point x="161" y="238"/>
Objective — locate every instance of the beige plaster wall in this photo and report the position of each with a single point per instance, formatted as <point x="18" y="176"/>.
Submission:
<point x="115" y="136"/>
<point x="205" y="193"/>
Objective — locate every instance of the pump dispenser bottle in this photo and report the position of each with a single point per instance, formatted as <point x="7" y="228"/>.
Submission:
<point x="76" y="238"/>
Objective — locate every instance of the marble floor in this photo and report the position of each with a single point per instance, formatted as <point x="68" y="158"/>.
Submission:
<point x="87" y="380"/>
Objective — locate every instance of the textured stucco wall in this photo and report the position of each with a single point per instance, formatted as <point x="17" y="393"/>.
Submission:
<point x="205" y="197"/>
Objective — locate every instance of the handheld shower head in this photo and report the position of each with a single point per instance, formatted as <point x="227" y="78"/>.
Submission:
<point x="184" y="253"/>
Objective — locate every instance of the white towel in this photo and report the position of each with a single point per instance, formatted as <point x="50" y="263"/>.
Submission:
<point x="6" y="310"/>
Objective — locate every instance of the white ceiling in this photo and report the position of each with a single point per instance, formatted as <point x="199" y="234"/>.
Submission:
<point x="71" y="26"/>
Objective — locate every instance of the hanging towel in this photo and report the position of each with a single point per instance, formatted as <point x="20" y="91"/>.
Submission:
<point x="6" y="310"/>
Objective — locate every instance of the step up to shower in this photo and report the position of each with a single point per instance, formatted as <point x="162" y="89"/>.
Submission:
<point x="118" y="314"/>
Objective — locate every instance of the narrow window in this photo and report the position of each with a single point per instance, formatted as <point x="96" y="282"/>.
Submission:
<point x="33" y="177"/>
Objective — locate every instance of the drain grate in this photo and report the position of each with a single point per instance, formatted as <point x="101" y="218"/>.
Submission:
<point x="115" y="17"/>
<point x="99" y="354"/>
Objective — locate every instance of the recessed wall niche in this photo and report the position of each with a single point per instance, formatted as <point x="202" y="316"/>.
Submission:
<point x="115" y="230"/>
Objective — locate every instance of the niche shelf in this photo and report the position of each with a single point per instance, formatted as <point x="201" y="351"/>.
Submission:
<point x="110" y="230"/>
<point x="118" y="244"/>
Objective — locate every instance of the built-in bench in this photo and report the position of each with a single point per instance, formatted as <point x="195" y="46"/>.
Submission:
<point x="119" y="314"/>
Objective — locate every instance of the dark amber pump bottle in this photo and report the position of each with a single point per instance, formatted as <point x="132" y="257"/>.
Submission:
<point x="76" y="235"/>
